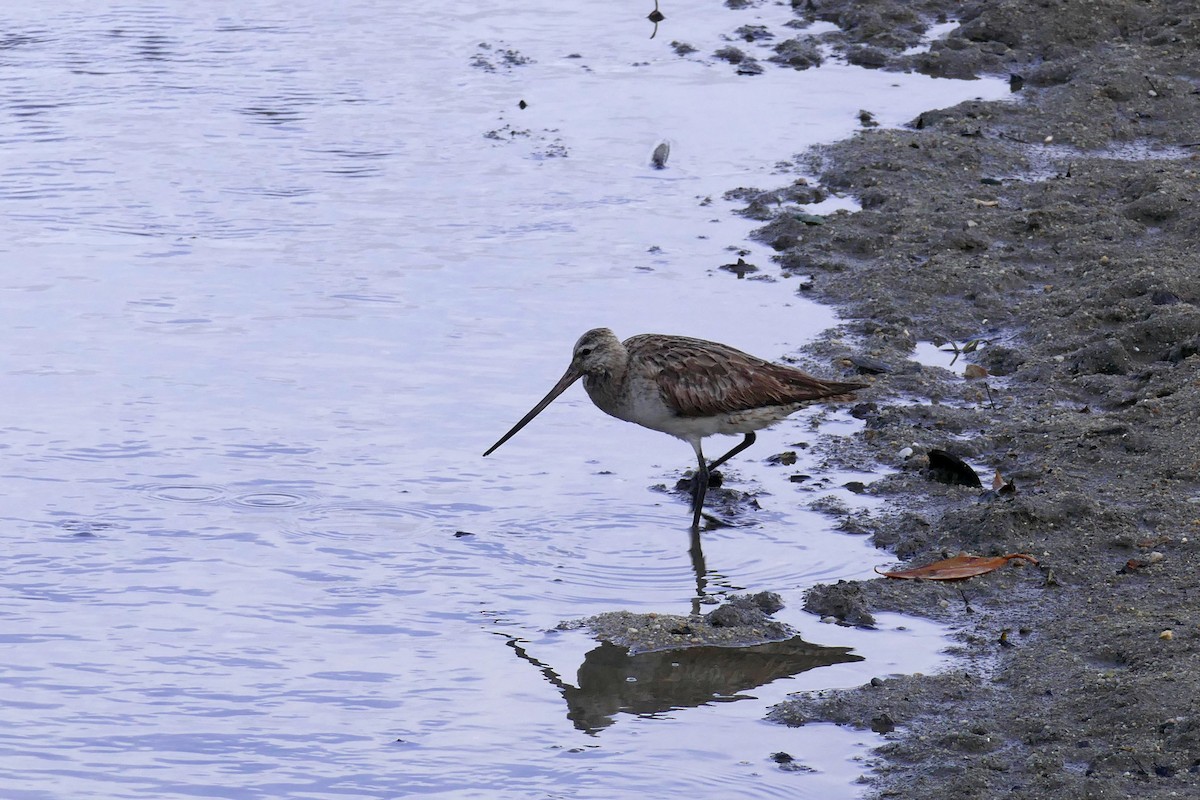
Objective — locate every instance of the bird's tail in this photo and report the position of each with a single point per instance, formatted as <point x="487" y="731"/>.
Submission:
<point x="837" y="391"/>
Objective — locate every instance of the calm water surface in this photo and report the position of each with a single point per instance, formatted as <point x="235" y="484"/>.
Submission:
<point x="273" y="275"/>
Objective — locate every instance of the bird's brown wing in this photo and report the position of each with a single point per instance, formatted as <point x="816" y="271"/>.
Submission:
<point x="700" y="378"/>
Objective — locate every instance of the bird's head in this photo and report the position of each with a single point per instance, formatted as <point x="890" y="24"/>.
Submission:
<point x="597" y="352"/>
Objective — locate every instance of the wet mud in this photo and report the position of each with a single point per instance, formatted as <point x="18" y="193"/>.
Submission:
<point x="741" y="621"/>
<point x="1053" y="239"/>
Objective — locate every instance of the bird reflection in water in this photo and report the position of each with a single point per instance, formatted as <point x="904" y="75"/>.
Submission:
<point x="666" y="680"/>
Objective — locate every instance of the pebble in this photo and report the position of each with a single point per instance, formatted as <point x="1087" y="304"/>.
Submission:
<point x="1167" y="635"/>
<point x="659" y="157"/>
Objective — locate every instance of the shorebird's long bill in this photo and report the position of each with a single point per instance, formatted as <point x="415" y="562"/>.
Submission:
<point x="569" y="377"/>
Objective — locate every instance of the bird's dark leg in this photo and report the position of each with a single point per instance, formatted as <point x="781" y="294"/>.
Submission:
<point x="749" y="440"/>
<point x="699" y="488"/>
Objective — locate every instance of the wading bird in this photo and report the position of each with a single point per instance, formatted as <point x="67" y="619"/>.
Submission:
<point x="689" y="388"/>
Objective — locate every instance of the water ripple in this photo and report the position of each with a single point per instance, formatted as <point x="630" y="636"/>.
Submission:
<point x="186" y="493"/>
<point x="109" y="451"/>
<point x="269" y="500"/>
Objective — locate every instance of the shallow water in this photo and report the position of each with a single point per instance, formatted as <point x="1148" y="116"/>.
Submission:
<point x="269" y="289"/>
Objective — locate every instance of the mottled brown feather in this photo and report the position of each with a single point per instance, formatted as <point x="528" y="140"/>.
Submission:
<point x="701" y="379"/>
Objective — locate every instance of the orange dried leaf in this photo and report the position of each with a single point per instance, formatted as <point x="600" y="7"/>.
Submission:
<point x="956" y="569"/>
<point x="973" y="372"/>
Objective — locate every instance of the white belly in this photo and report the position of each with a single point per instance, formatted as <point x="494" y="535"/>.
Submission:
<point x="740" y="422"/>
<point x="656" y="416"/>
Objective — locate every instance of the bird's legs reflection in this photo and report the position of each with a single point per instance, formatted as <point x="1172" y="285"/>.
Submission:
<point x="547" y="671"/>
<point x="696" y="551"/>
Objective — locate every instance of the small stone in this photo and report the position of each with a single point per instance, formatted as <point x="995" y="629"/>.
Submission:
<point x="883" y="723"/>
<point x="905" y="453"/>
<point x="731" y="54"/>
<point x="659" y="158"/>
<point x="1154" y="557"/>
<point x="1167" y="635"/>
<point x="749" y="67"/>
<point x="869" y="366"/>
<point x="829" y="620"/>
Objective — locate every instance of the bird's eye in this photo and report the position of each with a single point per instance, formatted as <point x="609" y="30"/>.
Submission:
<point x="584" y="352"/>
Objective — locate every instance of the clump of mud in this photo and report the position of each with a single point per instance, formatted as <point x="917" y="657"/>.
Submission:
<point x="742" y="621"/>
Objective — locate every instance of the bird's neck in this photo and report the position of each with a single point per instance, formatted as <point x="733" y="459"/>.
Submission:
<point x="607" y="388"/>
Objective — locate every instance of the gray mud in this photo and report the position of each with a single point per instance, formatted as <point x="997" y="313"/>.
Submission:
<point x="1059" y="229"/>
<point x="742" y="621"/>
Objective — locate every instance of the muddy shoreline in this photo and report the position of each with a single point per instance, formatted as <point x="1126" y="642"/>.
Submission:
<point x="1060" y="230"/>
